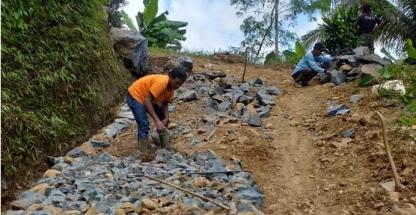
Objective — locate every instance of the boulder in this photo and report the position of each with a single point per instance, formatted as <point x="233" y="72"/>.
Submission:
<point x="361" y="51"/>
<point x="394" y="86"/>
<point x="131" y="45"/>
<point x="265" y="98"/>
<point x="246" y="99"/>
<point x="184" y="61"/>
<point x="374" y="58"/>
<point x="371" y="70"/>
<point x="251" y="117"/>
<point x="337" y="77"/>
<point x="188" y="95"/>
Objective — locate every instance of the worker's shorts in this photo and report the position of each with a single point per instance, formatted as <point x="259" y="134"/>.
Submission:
<point x="140" y="115"/>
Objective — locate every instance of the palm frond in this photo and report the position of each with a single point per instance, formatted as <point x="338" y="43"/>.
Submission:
<point x="313" y="36"/>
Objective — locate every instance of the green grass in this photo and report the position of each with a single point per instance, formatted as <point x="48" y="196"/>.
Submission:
<point x="60" y="78"/>
<point x="406" y="73"/>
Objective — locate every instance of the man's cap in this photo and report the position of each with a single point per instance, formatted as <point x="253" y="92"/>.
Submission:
<point x="320" y="46"/>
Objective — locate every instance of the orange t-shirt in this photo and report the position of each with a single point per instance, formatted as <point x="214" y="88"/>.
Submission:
<point x="157" y="85"/>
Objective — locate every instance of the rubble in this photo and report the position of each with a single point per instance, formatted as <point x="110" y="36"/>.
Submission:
<point x="85" y="185"/>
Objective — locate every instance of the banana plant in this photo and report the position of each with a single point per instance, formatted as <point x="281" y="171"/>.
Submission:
<point x="158" y="30"/>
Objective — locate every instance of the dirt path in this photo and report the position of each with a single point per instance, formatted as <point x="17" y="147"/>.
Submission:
<point x="298" y="172"/>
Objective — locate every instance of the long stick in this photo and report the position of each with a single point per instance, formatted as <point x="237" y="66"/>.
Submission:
<point x="219" y="172"/>
<point x="188" y="191"/>
<point x="245" y="65"/>
<point x="397" y="184"/>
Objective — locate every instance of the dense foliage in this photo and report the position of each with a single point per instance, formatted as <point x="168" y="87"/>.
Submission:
<point x="158" y="30"/>
<point x="337" y="30"/>
<point x="60" y="77"/>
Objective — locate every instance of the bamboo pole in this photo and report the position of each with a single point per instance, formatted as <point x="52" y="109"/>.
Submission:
<point x="397" y="184"/>
<point x="187" y="191"/>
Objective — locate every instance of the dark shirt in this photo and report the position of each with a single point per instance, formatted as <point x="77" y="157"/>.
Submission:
<point x="366" y="23"/>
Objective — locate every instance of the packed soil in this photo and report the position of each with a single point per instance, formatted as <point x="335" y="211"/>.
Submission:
<point x="298" y="156"/>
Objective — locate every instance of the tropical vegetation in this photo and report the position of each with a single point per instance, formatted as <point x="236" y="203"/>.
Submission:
<point x="60" y="78"/>
<point x="158" y="30"/>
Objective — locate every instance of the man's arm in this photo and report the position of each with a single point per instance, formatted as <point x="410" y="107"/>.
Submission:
<point x="314" y="66"/>
<point x="326" y="58"/>
<point x="149" y="107"/>
<point x="165" y="107"/>
<point x="379" y="24"/>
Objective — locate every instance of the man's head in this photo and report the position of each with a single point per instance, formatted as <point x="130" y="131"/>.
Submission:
<point x="318" y="48"/>
<point x="366" y="8"/>
<point x="177" y="76"/>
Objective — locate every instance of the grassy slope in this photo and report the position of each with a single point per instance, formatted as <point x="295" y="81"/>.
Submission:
<point x="60" y="80"/>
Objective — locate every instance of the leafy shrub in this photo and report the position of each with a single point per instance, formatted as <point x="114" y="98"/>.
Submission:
<point x="158" y="30"/>
<point x="60" y="79"/>
<point x="337" y="30"/>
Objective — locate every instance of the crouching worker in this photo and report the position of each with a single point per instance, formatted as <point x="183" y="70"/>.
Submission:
<point x="151" y="95"/>
<point x="310" y="65"/>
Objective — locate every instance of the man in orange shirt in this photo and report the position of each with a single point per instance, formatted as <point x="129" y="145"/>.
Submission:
<point x="151" y="95"/>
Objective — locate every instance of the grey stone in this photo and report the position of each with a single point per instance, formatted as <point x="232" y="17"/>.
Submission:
<point x="246" y="99"/>
<point x="374" y="58"/>
<point x="250" y="194"/>
<point x="273" y="90"/>
<point x="245" y="87"/>
<point x="99" y="143"/>
<point x="251" y="118"/>
<point x="255" y="82"/>
<point x="79" y="205"/>
<point x="334" y="110"/>
<point x="371" y="70"/>
<point x="361" y="51"/>
<point x="356" y="98"/>
<point x="26" y="199"/>
<point x="18" y="212"/>
<point x="126" y="114"/>
<point x="76" y="152"/>
<point x="264" y="98"/>
<point x="264" y="111"/>
<point x="224" y="106"/>
<point x="171" y="108"/>
<point x="211" y="103"/>
<point x="213" y="75"/>
<point x="337" y="77"/>
<point x="223" y="84"/>
<point x="95" y="194"/>
<point x="349" y="133"/>
<point x="188" y="95"/>
<point x="116" y="127"/>
<point x="186" y="62"/>
<point x="41" y="212"/>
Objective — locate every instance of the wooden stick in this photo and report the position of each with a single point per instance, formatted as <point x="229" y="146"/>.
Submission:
<point x="210" y="135"/>
<point x="188" y="191"/>
<point x="245" y="66"/>
<point x="397" y="184"/>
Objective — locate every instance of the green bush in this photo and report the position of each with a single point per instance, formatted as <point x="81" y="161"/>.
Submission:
<point x="60" y="77"/>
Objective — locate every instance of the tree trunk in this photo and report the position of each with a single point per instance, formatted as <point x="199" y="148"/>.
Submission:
<point x="276" y="28"/>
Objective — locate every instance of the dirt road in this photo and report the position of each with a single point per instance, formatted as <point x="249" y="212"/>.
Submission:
<point x="299" y="170"/>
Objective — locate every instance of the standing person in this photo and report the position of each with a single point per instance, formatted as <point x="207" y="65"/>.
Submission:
<point x="367" y="23"/>
<point x="311" y="65"/>
<point x="151" y="95"/>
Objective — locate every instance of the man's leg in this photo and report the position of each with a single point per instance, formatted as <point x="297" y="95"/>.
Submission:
<point x="140" y="115"/>
<point x="370" y="42"/>
<point x="304" y="76"/>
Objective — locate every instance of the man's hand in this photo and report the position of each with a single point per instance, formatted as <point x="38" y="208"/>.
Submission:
<point x="165" y="121"/>
<point x="159" y="125"/>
